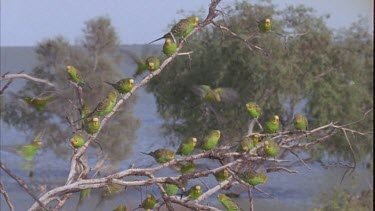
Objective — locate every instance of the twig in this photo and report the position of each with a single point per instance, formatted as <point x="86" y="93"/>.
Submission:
<point x="6" y="86"/>
<point x="22" y="184"/>
<point x="213" y="190"/>
<point x="6" y="196"/>
<point x="295" y="154"/>
<point x="282" y="168"/>
<point x="62" y="202"/>
<point x="250" y="127"/>
<point x="249" y="45"/>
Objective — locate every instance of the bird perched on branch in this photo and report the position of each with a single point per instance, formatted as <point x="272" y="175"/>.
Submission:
<point x="253" y="109"/>
<point x="169" y="47"/>
<point x="271" y="148"/>
<point x="92" y="126"/>
<point x="210" y="140"/>
<point x="162" y="155"/>
<point x="247" y="143"/>
<point x="170" y="189"/>
<point x="272" y="126"/>
<point x="149" y="202"/>
<point x="123" y="86"/>
<point x="221" y="175"/>
<point x="85" y="110"/>
<point x="252" y="177"/>
<point x="152" y="63"/>
<point x="194" y="192"/>
<point x="39" y="103"/>
<point x="215" y="95"/>
<point x="300" y="122"/>
<point x="103" y="108"/>
<point x="141" y="63"/>
<point x="76" y="76"/>
<point x="181" y="29"/>
<point x="77" y="140"/>
<point x="187" y="167"/>
<point x="187" y="146"/>
<point x="265" y="25"/>
<point x="228" y="203"/>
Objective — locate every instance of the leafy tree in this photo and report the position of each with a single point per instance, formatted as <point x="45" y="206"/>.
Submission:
<point x="321" y="73"/>
<point x="98" y="57"/>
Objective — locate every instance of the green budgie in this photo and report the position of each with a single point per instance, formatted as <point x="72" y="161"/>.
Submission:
<point x="141" y="64"/>
<point x="85" y="110"/>
<point x="162" y="155"/>
<point x="169" y="47"/>
<point x="152" y="63"/>
<point x="247" y="143"/>
<point x="28" y="151"/>
<point x="76" y="76"/>
<point x="121" y="208"/>
<point x="39" y="103"/>
<point x="187" y="167"/>
<point x="103" y="108"/>
<point x="265" y="25"/>
<point x="221" y="175"/>
<point x="228" y="203"/>
<point x="181" y="29"/>
<point x="149" y="202"/>
<point x="215" y="95"/>
<point x="92" y="126"/>
<point x="123" y="86"/>
<point x="210" y="140"/>
<point x="300" y="122"/>
<point x="271" y="148"/>
<point x="170" y="189"/>
<point x="253" y="109"/>
<point x="84" y="194"/>
<point x="252" y="177"/>
<point x="108" y="192"/>
<point x="272" y="126"/>
<point x="187" y="146"/>
<point x="77" y="140"/>
<point x="194" y="192"/>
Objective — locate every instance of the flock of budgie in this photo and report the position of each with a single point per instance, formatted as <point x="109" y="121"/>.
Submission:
<point x="91" y="121"/>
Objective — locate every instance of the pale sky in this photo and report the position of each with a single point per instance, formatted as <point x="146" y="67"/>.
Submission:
<point x="25" y="23"/>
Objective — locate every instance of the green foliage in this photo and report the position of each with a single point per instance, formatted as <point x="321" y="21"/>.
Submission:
<point x="342" y="200"/>
<point x="321" y="73"/>
<point x="98" y="58"/>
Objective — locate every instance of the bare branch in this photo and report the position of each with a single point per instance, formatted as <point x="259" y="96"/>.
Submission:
<point x="6" y="196"/>
<point x="26" y="76"/>
<point x="22" y="184"/>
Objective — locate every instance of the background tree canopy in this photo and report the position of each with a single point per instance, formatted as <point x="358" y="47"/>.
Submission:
<point x="98" y="57"/>
<point x="325" y="74"/>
